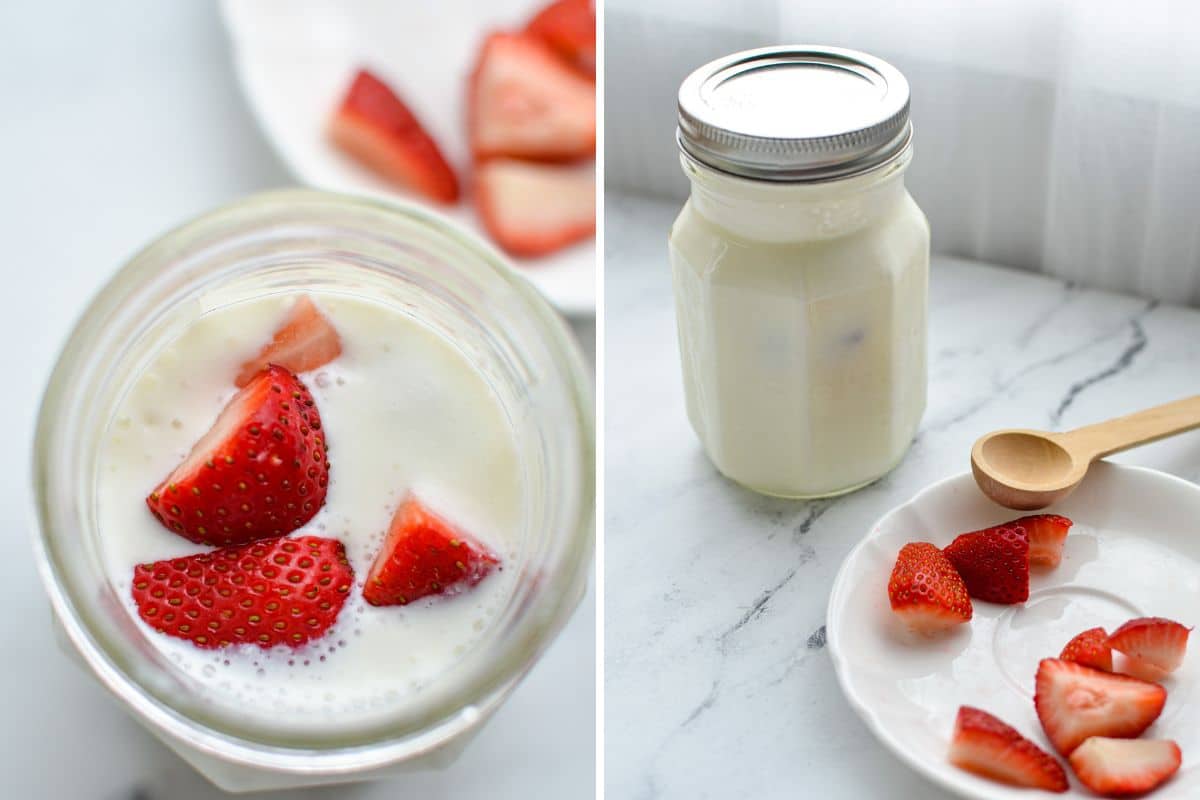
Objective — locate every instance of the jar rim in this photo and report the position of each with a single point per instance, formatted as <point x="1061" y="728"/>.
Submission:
<point x="483" y="689"/>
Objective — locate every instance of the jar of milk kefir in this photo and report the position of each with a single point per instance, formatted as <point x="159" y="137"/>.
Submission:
<point x="801" y="268"/>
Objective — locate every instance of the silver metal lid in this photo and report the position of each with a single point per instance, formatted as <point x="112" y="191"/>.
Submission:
<point x="794" y="113"/>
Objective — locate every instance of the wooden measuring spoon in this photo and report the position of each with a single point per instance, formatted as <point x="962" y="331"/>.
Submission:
<point x="1026" y="469"/>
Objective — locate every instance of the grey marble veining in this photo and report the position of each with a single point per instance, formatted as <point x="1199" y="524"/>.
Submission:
<point x="717" y="682"/>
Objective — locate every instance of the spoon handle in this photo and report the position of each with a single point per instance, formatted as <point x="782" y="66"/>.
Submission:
<point x="1113" y="436"/>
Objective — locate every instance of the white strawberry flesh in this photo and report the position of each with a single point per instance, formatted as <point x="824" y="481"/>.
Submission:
<point x="1124" y="767"/>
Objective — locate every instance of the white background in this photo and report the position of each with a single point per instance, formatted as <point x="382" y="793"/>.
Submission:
<point x="118" y="121"/>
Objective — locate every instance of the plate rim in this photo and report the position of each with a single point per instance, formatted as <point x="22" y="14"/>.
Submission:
<point x="837" y="655"/>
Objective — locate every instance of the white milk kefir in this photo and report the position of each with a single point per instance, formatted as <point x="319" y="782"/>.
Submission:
<point x="403" y="412"/>
<point x="801" y="268"/>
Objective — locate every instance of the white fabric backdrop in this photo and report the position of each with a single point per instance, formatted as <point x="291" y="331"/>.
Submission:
<point x="1053" y="135"/>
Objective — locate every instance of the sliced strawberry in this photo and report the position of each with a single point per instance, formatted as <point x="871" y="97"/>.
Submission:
<point x="569" y="26"/>
<point x="277" y="591"/>
<point x="986" y="746"/>
<point x="1136" y="668"/>
<point x="423" y="554"/>
<point x="993" y="563"/>
<point x="926" y="591"/>
<point x="1047" y="533"/>
<point x="306" y="340"/>
<point x="526" y="103"/>
<point x="376" y="127"/>
<point x="1090" y="649"/>
<point x="1159" y="642"/>
<point x="261" y="471"/>
<point x="1123" y="767"/>
<point x="533" y="209"/>
<point x="1075" y="702"/>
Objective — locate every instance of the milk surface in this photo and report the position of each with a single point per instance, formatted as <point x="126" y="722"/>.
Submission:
<point x="402" y="411"/>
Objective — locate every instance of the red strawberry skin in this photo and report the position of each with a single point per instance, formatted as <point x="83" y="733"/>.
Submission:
<point x="526" y="103"/>
<point x="1075" y="702"/>
<point x="1125" y="767"/>
<point x="986" y="746"/>
<point x="423" y="555"/>
<point x="305" y="341"/>
<point x="376" y="127"/>
<point x="569" y="26"/>
<point x="926" y="591"/>
<point x="1047" y="533"/>
<point x="284" y="591"/>
<point x="993" y="563"/>
<point x="261" y="471"/>
<point x="1090" y="649"/>
<point x="1156" y="641"/>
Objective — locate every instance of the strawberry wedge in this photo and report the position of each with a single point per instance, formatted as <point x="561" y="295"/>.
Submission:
<point x="305" y="341"/>
<point x="993" y="563"/>
<point x="1075" y="702"/>
<point x="525" y="102"/>
<point x="1125" y="767"/>
<point x="988" y="747"/>
<point x="375" y="126"/>
<point x="1047" y="534"/>
<point x="925" y="590"/>
<point x="424" y="554"/>
<point x="534" y="209"/>
<point x="260" y="471"/>
<point x="284" y="591"/>
<point x="1091" y="649"/>
<point x="569" y="26"/>
<point x="1159" y="642"/>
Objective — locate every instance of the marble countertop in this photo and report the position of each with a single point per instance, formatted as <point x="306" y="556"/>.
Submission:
<point x="122" y="120"/>
<point x="717" y="683"/>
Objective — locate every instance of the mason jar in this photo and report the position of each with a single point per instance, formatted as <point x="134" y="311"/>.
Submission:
<point x="423" y="267"/>
<point x="800" y="266"/>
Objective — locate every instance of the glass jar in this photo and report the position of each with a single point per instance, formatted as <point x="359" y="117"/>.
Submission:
<point x="800" y="266"/>
<point x="425" y="268"/>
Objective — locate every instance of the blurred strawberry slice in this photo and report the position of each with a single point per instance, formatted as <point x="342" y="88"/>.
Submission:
<point x="533" y="209"/>
<point x="569" y="26"/>
<point x="378" y="129"/>
<point x="526" y="102"/>
<point x="306" y="340"/>
<point x="1125" y="767"/>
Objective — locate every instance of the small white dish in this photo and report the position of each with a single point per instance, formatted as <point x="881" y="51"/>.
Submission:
<point x="1134" y="551"/>
<point x="296" y="58"/>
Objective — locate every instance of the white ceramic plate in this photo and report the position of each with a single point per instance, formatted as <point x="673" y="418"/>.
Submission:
<point x="295" y="59"/>
<point x="1134" y="551"/>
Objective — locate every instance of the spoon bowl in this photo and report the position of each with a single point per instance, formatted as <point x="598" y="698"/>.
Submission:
<point x="1027" y="469"/>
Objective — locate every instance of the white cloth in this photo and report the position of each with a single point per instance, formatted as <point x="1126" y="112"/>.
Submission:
<point x="1060" y="136"/>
